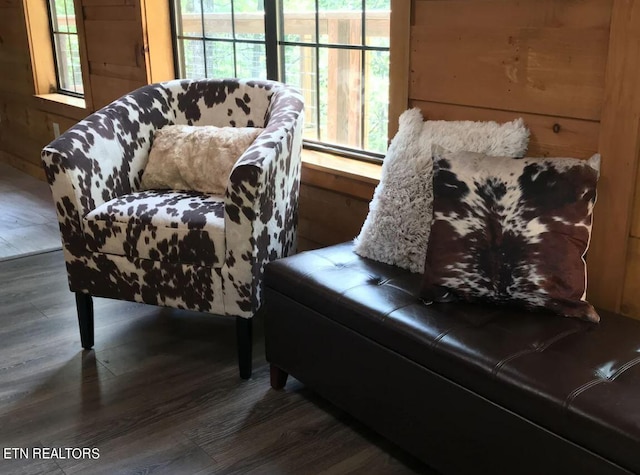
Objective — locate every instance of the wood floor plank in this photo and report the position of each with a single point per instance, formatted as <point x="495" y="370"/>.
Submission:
<point x="29" y="466"/>
<point x="159" y="393"/>
<point x="167" y="452"/>
<point x="28" y="220"/>
<point x="33" y="238"/>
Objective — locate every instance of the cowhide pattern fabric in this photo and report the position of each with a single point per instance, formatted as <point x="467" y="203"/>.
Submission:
<point x="175" y="256"/>
<point x="162" y="225"/>
<point x="511" y="231"/>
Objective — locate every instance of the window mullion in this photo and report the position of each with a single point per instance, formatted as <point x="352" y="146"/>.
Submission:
<point x="272" y="22"/>
<point x="204" y="41"/>
<point x="317" y="47"/>
<point x="363" y="74"/>
<point x="235" y="43"/>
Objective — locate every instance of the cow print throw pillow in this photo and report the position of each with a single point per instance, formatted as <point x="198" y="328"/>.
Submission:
<point x="511" y="231"/>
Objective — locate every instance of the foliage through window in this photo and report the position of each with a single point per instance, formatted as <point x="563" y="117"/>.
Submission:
<point x="335" y="51"/>
<point x="65" y="46"/>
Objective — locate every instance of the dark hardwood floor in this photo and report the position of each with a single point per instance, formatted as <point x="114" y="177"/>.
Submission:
<point x="159" y="393"/>
<point x="28" y="221"/>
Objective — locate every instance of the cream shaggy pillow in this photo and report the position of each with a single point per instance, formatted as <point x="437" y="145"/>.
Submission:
<point x="397" y="228"/>
<point x="200" y="158"/>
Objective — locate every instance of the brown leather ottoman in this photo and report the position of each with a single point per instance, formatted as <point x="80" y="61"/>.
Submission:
<point x="466" y="388"/>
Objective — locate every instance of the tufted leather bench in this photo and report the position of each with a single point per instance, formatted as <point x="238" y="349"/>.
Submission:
<point x="466" y="388"/>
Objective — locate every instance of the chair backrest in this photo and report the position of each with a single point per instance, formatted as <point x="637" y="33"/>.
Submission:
<point x="105" y="154"/>
<point x="223" y="103"/>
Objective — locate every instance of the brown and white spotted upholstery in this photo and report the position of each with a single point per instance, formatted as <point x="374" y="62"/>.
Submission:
<point x="181" y="249"/>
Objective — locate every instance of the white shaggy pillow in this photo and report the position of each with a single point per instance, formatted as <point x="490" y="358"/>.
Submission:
<point x="200" y="158"/>
<point x="397" y="228"/>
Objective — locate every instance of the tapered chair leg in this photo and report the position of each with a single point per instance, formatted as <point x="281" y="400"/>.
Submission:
<point x="244" y="334"/>
<point x="278" y="377"/>
<point x="84" y="304"/>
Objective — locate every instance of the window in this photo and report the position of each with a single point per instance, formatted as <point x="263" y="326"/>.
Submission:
<point x="335" y="51"/>
<point x="65" y="47"/>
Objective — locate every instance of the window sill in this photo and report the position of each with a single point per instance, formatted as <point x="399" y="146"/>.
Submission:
<point x="343" y="175"/>
<point x="60" y="104"/>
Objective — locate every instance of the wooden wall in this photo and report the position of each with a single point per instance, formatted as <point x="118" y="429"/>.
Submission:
<point x="570" y="68"/>
<point x="24" y="127"/>
<point x="120" y="36"/>
<point x="117" y="38"/>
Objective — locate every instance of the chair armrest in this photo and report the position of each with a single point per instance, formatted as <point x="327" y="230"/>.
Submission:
<point x="261" y="204"/>
<point x="102" y="157"/>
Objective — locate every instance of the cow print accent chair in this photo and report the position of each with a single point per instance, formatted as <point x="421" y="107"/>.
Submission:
<point x="173" y="248"/>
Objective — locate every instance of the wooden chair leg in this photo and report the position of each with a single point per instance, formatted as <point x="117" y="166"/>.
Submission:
<point x="244" y="334"/>
<point x="84" y="305"/>
<point x="278" y="377"/>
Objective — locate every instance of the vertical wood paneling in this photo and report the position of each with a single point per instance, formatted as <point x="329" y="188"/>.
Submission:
<point x="630" y="297"/>
<point x="15" y="62"/>
<point x="24" y="127"/>
<point x="115" y="42"/>
<point x="39" y="44"/>
<point x="544" y="57"/>
<point x="108" y="88"/>
<point x="158" y="48"/>
<point x="550" y="136"/>
<point x="115" y="48"/>
<point x="128" y="46"/>
<point x="327" y="217"/>
<point x="619" y="144"/>
<point x="573" y="63"/>
<point x="399" y="58"/>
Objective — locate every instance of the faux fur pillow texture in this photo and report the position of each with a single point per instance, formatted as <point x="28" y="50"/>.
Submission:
<point x="199" y="158"/>
<point x="396" y="230"/>
<point x="512" y="231"/>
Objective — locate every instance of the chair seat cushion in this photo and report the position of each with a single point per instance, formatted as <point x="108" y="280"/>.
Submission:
<point x="161" y="225"/>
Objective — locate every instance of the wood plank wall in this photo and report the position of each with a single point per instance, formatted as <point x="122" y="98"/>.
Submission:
<point x="118" y="35"/>
<point x="24" y="127"/>
<point x="570" y="68"/>
<point x="115" y="48"/>
<point x="546" y="63"/>
<point x="116" y="41"/>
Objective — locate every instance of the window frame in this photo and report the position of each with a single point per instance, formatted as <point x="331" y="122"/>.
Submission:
<point x="275" y="43"/>
<point x="55" y="36"/>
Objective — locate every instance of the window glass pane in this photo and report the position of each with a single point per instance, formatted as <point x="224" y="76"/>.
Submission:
<point x="251" y="60"/>
<point x="249" y="19"/>
<point x="220" y="62"/>
<point x="299" y="20"/>
<point x="217" y="19"/>
<point x="376" y="102"/>
<point x="300" y="71"/>
<point x="377" y="22"/>
<point x="68" y="61"/>
<point x="341" y="96"/>
<point x="54" y="15"/>
<point x="63" y="16"/>
<point x="340" y="22"/>
<point x="193" y="65"/>
<point x="189" y="18"/>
